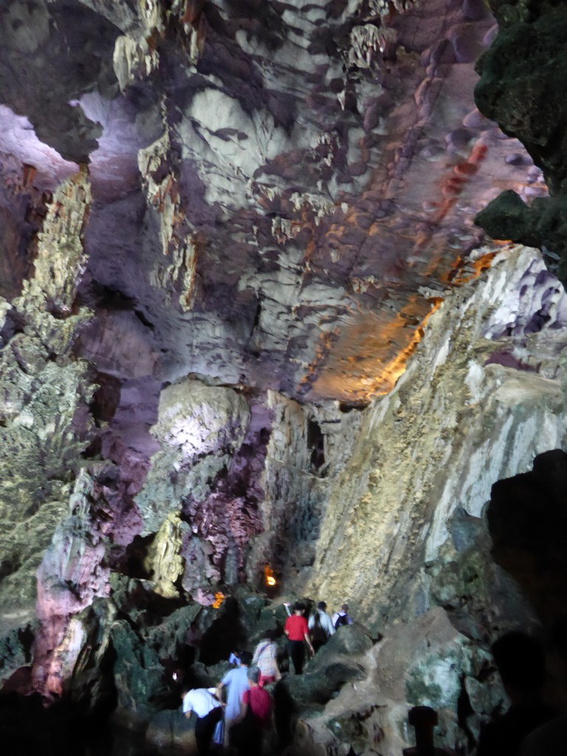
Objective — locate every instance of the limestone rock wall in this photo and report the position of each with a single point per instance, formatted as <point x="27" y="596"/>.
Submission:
<point x="403" y="534"/>
<point x="283" y="195"/>
<point x="240" y="478"/>
<point x="460" y="419"/>
<point x="381" y="507"/>
<point x="45" y="390"/>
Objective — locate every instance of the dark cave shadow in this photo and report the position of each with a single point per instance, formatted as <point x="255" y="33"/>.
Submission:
<point x="225" y="635"/>
<point x="527" y="520"/>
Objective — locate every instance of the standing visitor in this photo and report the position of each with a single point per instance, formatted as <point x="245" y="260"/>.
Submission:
<point x="342" y="617"/>
<point x="236" y="683"/>
<point x="320" y="626"/>
<point x="520" y="660"/>
<point x="549" y="739"/>
<point x="297" y="631"/>
<point x="255" y="717"/>
<point x="265" y="657"/>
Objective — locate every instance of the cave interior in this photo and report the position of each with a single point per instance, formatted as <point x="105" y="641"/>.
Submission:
<point x="282" y="316"/>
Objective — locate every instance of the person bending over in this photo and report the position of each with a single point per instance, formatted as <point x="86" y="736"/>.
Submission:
<point x="208" y="710"/>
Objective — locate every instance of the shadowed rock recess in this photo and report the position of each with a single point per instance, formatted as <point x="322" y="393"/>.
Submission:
<point x="250" y="329"/>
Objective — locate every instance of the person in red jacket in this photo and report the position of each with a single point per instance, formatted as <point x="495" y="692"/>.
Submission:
<point x="255" y="717"/>
<point x="297" y="631"/>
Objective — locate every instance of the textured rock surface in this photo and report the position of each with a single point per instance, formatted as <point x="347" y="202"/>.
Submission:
<point x="526" y="517"/>
<point x="521" y="81"/>
<point x="227" y="226"/>
<point x="426" y="662"/>
<point x="278" y="195"/>
<point x="476" y="406"/>
<point x="45" y="390"/>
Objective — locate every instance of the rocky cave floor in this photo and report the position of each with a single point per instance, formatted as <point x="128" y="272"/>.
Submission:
<point x="29" y="724"/>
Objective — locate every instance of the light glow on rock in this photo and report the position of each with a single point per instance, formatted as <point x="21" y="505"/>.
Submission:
<point x="269" y="576"/>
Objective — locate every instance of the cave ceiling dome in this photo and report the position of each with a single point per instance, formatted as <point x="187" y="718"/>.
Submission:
<point x="282" y="193"/>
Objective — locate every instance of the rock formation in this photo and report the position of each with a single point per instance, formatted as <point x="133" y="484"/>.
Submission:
<point x="249" y="328"/>
<point x="521" y="78"/>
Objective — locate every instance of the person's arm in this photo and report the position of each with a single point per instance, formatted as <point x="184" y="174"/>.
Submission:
<point x="308" y="639"/>
<point x="274" y="659"/>
<point x="243" y="710"/>
<point x="186" y="711"/>
<point x="218" y="692"/>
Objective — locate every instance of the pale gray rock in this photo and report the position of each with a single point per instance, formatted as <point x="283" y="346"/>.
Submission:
<point x="198" y="428"/>
<point x="171" y="731"/>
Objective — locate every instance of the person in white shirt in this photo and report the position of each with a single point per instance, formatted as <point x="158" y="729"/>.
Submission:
<point x="320" y="626"/>
<point x="208" y="709"/>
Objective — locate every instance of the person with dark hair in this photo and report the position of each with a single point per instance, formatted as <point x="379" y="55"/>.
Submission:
<point x="520" y="660"/>
<point x="550" y="739"/>
<point x="255" y="717"/>
<point x="265" y="657"/>
<point x="320" y="626"/>
<point x="236" y="683"/>
<point x="297" y="631"/>
<point x="208" y="710"/>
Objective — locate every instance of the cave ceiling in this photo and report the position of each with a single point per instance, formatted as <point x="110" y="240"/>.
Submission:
<point x="282" y="192"/>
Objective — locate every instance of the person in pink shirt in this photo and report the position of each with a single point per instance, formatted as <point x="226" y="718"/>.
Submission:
<point x="297" y="631"/>
<point x="265" y="657"/>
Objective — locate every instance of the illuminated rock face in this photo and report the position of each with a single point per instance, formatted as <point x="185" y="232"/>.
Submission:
<point x="199" y="330"/>
<point x="281" y="195"/>
<point x="482" y="397"/>
<point x="45" y="391"/>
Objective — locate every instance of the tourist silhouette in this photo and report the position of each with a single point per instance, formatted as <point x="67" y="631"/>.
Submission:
<point x="520" y="660"/>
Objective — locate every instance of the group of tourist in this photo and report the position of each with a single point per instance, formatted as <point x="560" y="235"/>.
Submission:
<point x="238" y="712"/>
<point x="313" y="632"/>
<point x="241" y="720"/>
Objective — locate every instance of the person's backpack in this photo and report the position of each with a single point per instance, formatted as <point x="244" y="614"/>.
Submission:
<point x="341" y="620"/>
<point x="318" y="632"/>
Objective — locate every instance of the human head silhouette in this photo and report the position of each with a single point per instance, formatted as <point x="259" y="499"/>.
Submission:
<point x="520" y="660"/>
